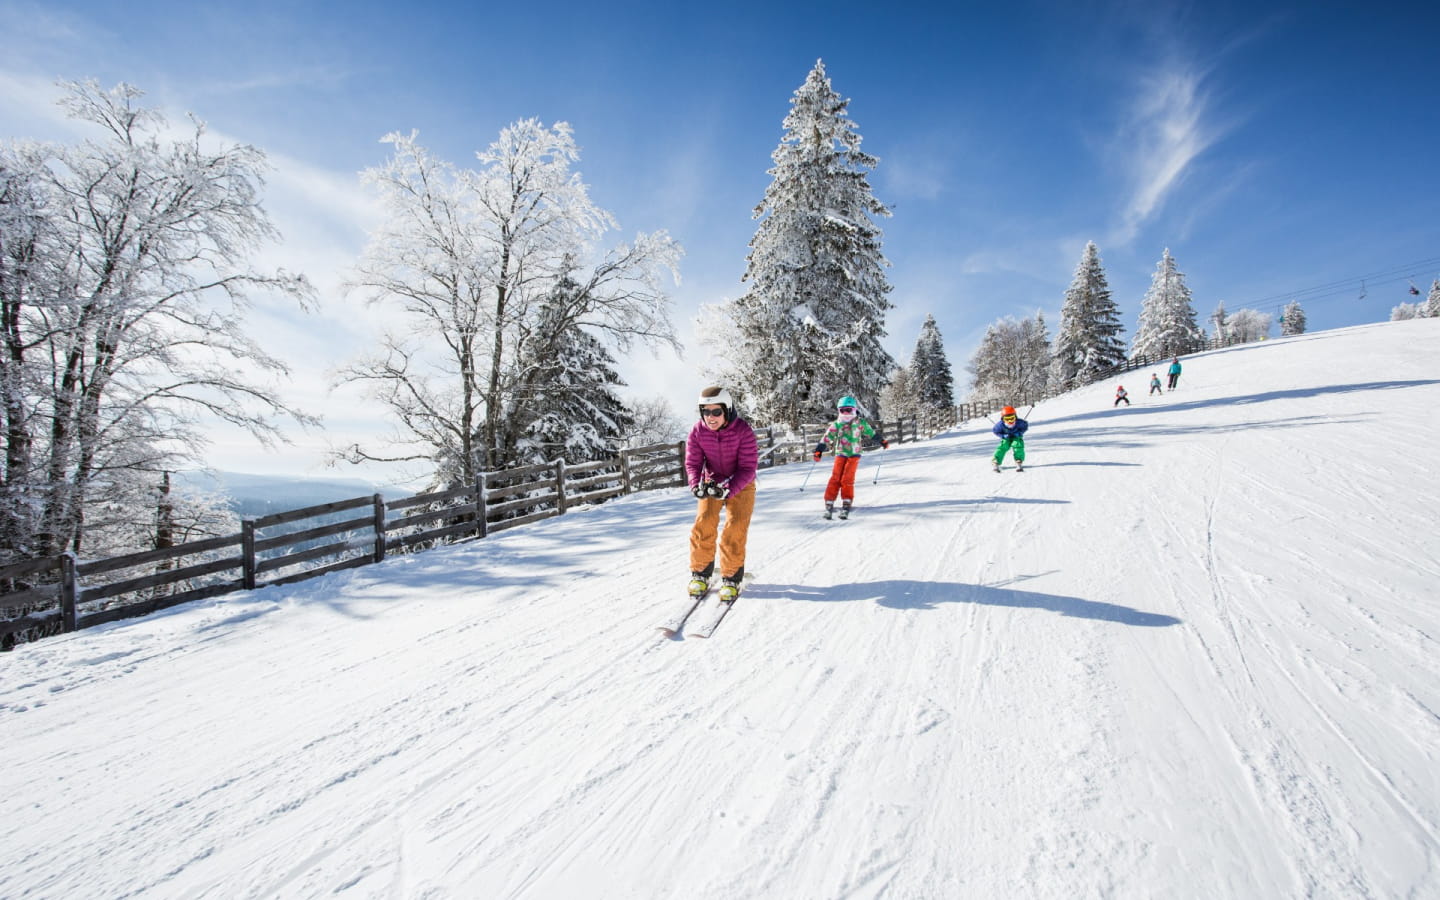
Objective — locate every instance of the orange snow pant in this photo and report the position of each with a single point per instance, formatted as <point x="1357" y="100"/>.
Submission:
<point x="842" y="479"/>
<point x="732" y="538"/>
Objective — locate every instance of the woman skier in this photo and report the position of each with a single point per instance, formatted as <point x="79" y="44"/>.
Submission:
<point x="1011" y="432"/>
<point x="721" y="458"/>
<point x="846" y="435"/>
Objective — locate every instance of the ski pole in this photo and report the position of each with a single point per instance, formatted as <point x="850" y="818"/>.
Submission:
<point x="808" y="473"/>
<point x="878" y="460"/>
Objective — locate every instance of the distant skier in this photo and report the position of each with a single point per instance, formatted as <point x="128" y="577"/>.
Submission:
<point x="1121" y="394"/>
<point x="845" y="436"/>
<point x="1174" y="373"/>
<point x="721" y="458"/>
<point x="1155" y="384"/>
<point x="1011" y="432"/>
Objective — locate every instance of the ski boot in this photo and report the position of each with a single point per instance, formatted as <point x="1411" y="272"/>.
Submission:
<point x="729" y="589"/>
<point x="1019" y="467"/>
<point x="845" y="511"/>
<point x="699" y="584"/>
<point x="829" y="510"/>
<point x="995" y="466"/>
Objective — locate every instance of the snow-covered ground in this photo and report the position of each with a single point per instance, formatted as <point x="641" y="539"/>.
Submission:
<point x="1192" y="651"/>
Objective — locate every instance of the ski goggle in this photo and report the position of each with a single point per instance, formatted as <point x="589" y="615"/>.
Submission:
<point x="847" y="409"/>
<point x="1008" y="418"/>
<point x="711" y="412"/>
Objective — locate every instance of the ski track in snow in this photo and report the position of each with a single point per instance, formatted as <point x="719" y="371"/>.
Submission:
<point x="1191" y="651"/>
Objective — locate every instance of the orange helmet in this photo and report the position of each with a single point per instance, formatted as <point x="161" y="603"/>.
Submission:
<point x="1008" y="411"/>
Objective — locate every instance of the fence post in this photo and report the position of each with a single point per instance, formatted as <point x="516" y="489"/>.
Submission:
<point x="379" y="528"/>
<point x="69" y="592"/>
<point x="680" y="463"/>
<point x="247" y="551"/>
<point x="482" y="526"/>
<point x="626" y="482"/>
<point x="560" y="485"/>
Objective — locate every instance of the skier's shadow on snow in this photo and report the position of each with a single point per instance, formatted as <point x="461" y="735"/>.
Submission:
<point x="1057" y="465"/>
<point x="902" y="594"/>
<point x="932" y="505"/>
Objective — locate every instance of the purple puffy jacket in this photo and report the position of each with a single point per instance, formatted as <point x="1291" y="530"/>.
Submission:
<point x="728" y="455"/>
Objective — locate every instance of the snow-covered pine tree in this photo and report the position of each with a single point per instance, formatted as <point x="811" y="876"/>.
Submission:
<point x="1432" y="300"/>
<point x="1013" y="361"/>
<point x="1088" y="345"/>
<point x="565" y="403"/>
<point x="809" y="328"/>
<point x="1292" y="320"/>
<point x="930" y="378"/>
<point x="1167" y="317"/>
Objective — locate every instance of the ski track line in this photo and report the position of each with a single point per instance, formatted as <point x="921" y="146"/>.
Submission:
<point x="1278" y="772"/>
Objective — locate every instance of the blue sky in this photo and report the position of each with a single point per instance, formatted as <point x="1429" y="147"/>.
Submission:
<point x="1278" y="151"/>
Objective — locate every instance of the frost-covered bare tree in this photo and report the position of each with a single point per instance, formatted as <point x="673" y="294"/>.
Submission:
<point x="1088" y="345"/>
<point x="1432" y="300"/>
<point x="809" y="328"/>
<point x="899" y="399"/>
<point x="653" y="421"/>
<point x="1220" y="324"/>
<point x="1167" y="316"/>
<point x="469" y="257"/>
<point x="126" y="279"/>
<point x="1292" y="320"/>
<point x="1013" y="361"/>
<point x="1246" y="325"/>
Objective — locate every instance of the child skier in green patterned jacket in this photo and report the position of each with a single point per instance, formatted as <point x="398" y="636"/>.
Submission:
<point x="845" y="436"/>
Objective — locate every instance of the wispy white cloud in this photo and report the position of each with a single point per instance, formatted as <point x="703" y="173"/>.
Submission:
<point x="1170" y="124"/>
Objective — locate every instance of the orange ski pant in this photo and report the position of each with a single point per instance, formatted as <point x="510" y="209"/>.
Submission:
<point x="842" y="479"/>
<point x="732" y="538"/>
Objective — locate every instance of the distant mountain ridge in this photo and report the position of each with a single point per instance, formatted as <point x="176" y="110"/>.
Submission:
<point x="256" y="495"/>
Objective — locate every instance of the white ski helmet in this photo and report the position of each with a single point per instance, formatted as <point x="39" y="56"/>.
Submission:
<point x="715" y="394"/>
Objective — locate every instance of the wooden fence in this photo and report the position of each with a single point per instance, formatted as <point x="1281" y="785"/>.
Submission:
<point x="60" y="594"/>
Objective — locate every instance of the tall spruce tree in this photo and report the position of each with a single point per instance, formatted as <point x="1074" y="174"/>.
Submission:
<point x="1167" y="317"/>
<point x="1432" y="300"/>
<point x="809" y="328"/>
<point x="1088" y="345"/>
<point x="930" y="378"/>
<point x="565" y="389"/>
<point x="1292" y="320"/>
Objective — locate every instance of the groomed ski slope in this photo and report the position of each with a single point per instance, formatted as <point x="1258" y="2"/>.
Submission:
<point x="1190" y="652"/>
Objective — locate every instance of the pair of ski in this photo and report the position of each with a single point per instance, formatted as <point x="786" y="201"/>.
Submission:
<point x="697" y="618"/>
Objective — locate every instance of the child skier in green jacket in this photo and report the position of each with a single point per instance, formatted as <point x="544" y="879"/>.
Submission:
<point x="845" y="436"/>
